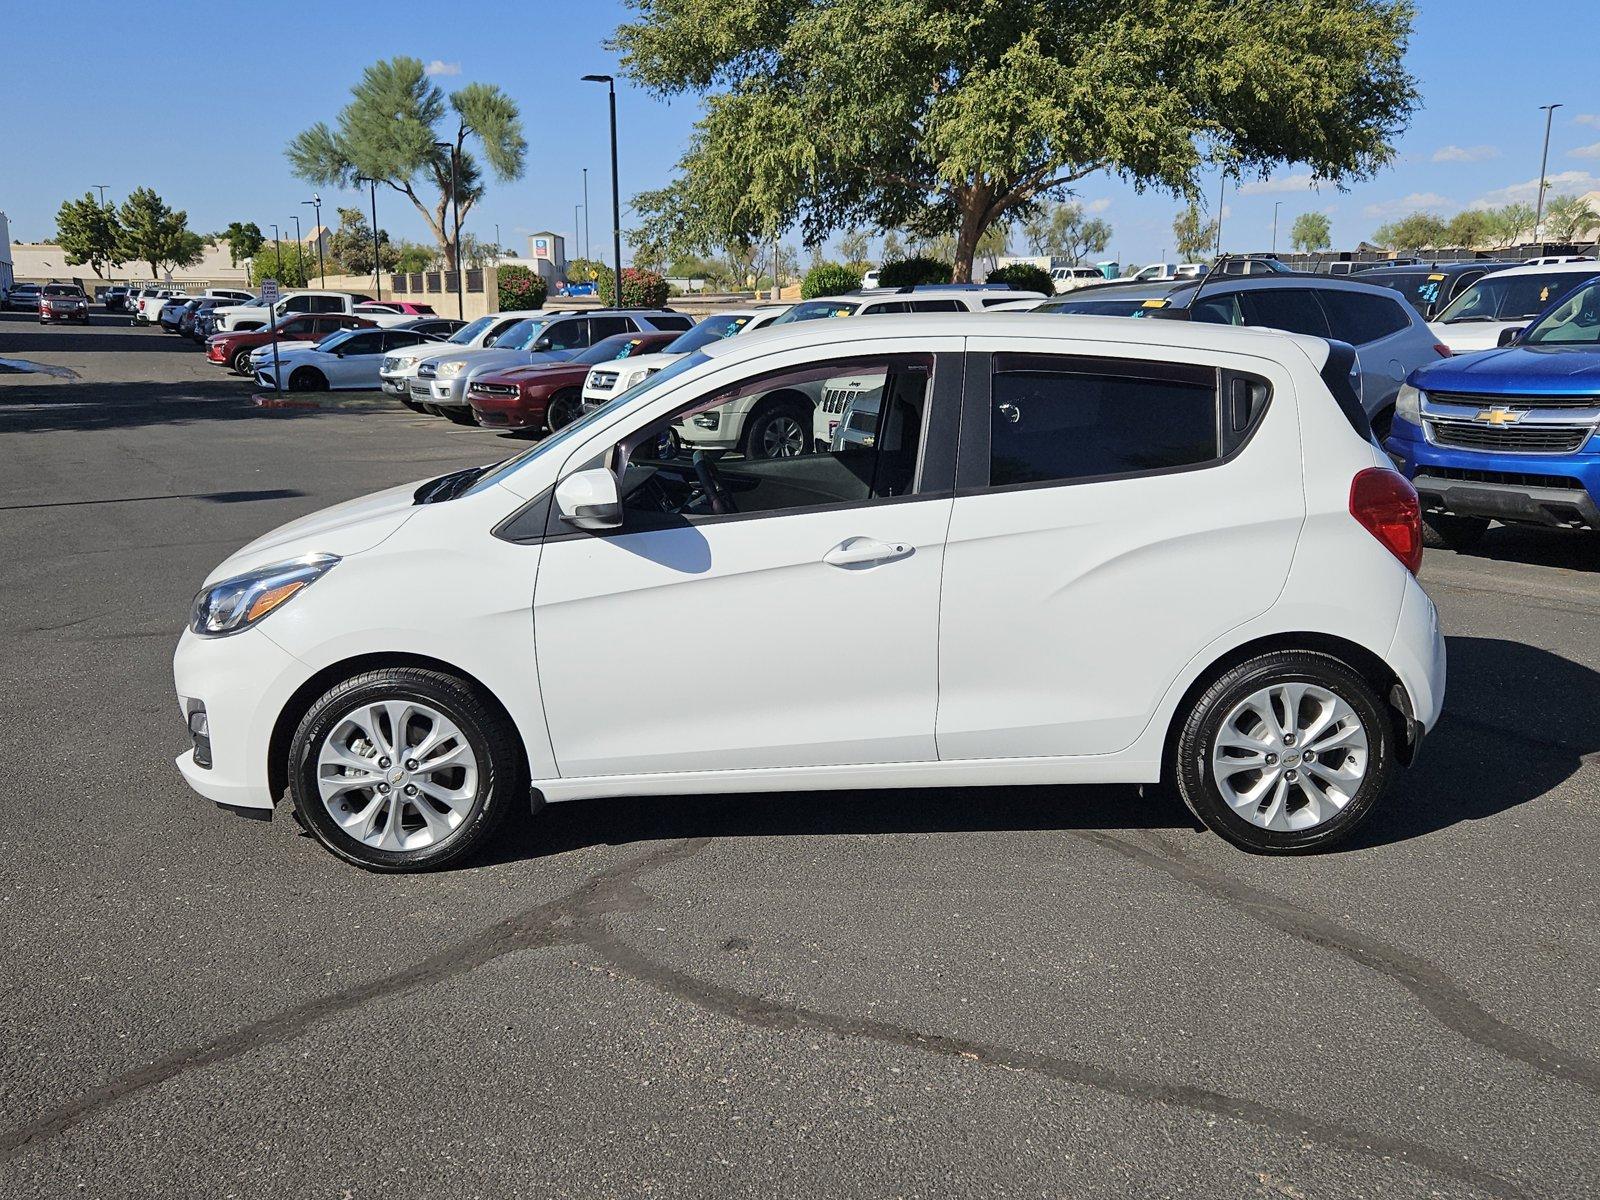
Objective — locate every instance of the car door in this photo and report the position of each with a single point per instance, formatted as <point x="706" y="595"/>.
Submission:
<point x="1113" y="517"/>
<point x="800" y="630"/>
<point x="357" y="362"/>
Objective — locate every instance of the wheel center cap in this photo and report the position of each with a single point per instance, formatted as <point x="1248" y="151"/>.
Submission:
<point x="1291" y="758"/>
<point x="396" y="775"/>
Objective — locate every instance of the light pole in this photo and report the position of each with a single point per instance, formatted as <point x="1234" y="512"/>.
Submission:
<point x="497" y="241"/>
<point x="377" y="277"/>
<point x="455" y="199"/>
<point x="1549" y="111"/>
<point x="616" y="193"/>
<point x="316" y="207"/>
<point x="101" y="188"/>
<point x="299" y="246"/>
<point x="1222" y="191"/>
<point x="277" y="245"/>
<point x="586" y="212"/>
<point x="1276" y="205"/>
<point x="576" y="229"/>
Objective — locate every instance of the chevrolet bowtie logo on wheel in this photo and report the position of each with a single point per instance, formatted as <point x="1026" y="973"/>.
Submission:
<point x="1500" y="414"/>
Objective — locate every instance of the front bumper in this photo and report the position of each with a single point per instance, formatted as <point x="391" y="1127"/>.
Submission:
<point x="1556" y="490"/>
<point x="452" y="393"/>
<point x="395" y="385"/>
<point x="243" y="681"/>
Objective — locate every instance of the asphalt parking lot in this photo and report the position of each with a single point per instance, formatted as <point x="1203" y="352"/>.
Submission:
<point x="987" y="992"/>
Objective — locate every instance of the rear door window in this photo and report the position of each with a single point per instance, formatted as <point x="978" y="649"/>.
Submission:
<point x="937" y="306"/>
<point x="604" y="327"/>
<point x="1294" y="310"/>
<point x="1360" y="318"/>
<point x="571" y="334"/>
<point x="1061" y="419"/>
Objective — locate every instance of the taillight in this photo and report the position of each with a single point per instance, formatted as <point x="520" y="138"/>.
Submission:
<point x="1442" y="350"/>
<point x="1386" y="505"/>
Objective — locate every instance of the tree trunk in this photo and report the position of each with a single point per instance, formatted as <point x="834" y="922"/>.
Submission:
<point x="972" y="202"/>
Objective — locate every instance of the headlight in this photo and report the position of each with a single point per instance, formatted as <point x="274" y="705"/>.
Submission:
<point x="454" y="367"/>
<point x="236" y="604"/>
<point x="1408" y="404"/>
<point x="633" y="377"/>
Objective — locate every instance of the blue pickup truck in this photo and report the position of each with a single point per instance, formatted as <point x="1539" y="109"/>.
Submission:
<point x="1508" y="434"/>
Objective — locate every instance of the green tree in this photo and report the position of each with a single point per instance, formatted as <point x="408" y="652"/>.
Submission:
<point x="351" y="244"/>
<point x="952" y="115"/>
<point x="1311" y="231"/>
<point x="855" y="246"/>
<point x="390" y="130"/>
<point x="154" y="233"/>
<point x="1509" y="225"/>
<point x="244" y="238"/>
<point x="1193" y="235"/>
<point x="1569" y="218"/>
<point x="829" y="279"/>
<point x="892" y="249"/>
<point x="1064" y="230"/>
<point x="297" y="267"/>
<point x="1412" y="232"/>
<point x="89" y="232"/>
<point x="1470" y="228"/>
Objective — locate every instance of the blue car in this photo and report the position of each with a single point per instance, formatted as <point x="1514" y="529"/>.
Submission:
<point x="1508" y="434"/>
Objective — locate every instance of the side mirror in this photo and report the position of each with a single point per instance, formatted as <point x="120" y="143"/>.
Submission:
<point x="542" y="344"/>
<point x="589" y="500"/>
<point x="1509" y="337"/>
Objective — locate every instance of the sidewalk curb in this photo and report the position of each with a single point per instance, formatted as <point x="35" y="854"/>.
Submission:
<point x="271" y="400"/>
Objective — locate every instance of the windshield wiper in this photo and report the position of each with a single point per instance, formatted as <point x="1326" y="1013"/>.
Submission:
<point x="448" y="487"/>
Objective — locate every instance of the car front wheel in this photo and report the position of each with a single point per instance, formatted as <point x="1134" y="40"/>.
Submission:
<point x="1285" y="753"/>
<point x="404" y="769"/>
<point x="1456" y="533"/>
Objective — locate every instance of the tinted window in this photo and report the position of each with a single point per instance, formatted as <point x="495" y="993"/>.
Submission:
<point x="567" y="335"/>
<point x="500" y="331"/>
<point x="937" y="306"/>
<point x="604" y="327"/>
<point x="1292" y="309"/>
<point x="885" y="306"/>
<point x="1358" y="318"/>
<point x="1095" y="308"/>
<point x="366" y="342"/>
<point x="1218" y="309"/>
<point x="396" y="338"/>
<point x="326" y="304"/>
<point x="812" y="310"/>
<point x="1060" y="419"/>
<point x="709" y="330"/>
<point x="672" y="321"/>
<point x="1503" y="297"/>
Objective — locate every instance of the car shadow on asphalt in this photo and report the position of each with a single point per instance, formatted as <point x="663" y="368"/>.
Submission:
<point x="1519" y="721"/>
<point x="1573" y="550"/>
<point x="110" y="406"/>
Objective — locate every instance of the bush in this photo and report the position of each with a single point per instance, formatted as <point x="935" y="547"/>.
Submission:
<point x="520" y="288"/>
<point x="909" y="272"/>
<point x="640" y="289"/>
<point x="298" y="268"/>
<point x="1024" y="277"/>
<point x="828" y="279"/>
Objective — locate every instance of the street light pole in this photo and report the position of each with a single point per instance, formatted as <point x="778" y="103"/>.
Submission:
<point x="455" y="199"/>
<point x="586" y="212"/>
<point x="1276" y="205"/>
<point x="101" y="188"/>
<point x="300" y="245"/>
<point x="316" y="206"/>
<point x="1222" y="191"/>
<point x="277" y="244"/>
<point x="616" y="192"/>
<point x="1549" y="111"/>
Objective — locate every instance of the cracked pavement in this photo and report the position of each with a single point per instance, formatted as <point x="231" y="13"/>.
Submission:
<point x="976" y="992"/>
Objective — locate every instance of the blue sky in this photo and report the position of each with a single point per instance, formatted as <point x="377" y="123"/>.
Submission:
<point x="1475" y="141"/>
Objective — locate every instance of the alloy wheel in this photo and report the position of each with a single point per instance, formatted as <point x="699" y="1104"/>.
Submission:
<point x="1290" y="756"/>
<point x="782" y="437"/>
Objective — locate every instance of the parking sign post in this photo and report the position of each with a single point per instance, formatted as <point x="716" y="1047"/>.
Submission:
<point x="269" y="297"/>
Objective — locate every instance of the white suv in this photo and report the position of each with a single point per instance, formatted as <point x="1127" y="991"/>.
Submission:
<point x="1122" y="578"/>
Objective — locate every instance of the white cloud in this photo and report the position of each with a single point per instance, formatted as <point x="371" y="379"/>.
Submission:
<point x="1586" y="119"/>
<point x="1300" y="181"/>
<point x="1097" y="206"/>
<point x="1465" y="154"/>
<point x="1589" y="151"/>
<point x="1527" y="192"/>
<point x="1415" y="202"/>
<point x="439" y="67"/>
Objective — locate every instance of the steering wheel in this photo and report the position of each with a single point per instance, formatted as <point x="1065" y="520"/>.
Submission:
<point x="716" y="491"/>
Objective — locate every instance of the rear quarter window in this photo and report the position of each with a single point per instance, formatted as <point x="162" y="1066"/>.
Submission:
<point x="1359" y="318"/>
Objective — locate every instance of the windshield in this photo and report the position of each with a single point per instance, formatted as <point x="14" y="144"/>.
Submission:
<point x="1130" y="307"/>
<point x="1511" y="297"/>
<point x="520" y="336"/>
<point x="61" y="289"/>
<point x="816" y="310"/>
<point x="617" y="346"/>
<point x="496" y="474"/>
<point x="1422" y="288"/>
<point x="334" y="340"/>
<point x="467" y="332"/>
<point x="1575" y="321"/>
<point x="707" y="331"/>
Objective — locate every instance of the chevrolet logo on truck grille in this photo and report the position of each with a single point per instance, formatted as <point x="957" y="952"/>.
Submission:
<point x="1500" y="414"/>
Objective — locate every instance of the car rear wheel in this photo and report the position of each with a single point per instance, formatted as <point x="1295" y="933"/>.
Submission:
<point x="1285" y="753"/>
<point x="239" y="364"/>
<point x="404" y="769"/>
<point x="308" y="379"/>
<point x="777" y="430"/>
<point x="1452" y="532"/>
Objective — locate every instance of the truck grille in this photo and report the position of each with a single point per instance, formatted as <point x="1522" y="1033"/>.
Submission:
<point x="428" y="370"/>
<point x="603" y="381"/>
<point x="493" y="389"/>
<point x="835" y="400"/>
<point x="1517" y="439"/>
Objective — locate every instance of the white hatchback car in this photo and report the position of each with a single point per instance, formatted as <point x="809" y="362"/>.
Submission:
<point x="1122" y="577"/>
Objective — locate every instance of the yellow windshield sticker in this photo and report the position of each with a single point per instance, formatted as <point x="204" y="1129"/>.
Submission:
<point x="1436" y="278"/>
<point x="1544" y="293"/>
<point x="1155" y="303"/>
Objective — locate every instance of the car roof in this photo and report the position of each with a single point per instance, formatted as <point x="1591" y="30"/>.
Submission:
<point x="1587" y="267"/>
<point x="1110" y="331"/>
<point x="1438" y="268"/>
<point x="1182" y="290"/>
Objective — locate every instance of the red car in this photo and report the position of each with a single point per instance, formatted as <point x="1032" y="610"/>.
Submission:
<point x="546" y="396"/>
<point x="233" y="349"/>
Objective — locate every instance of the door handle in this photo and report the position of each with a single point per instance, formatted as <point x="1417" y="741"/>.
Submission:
<point x="865" y="552"/>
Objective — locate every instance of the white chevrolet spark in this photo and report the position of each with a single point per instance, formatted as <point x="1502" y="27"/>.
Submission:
<point x="1079" y="550"/>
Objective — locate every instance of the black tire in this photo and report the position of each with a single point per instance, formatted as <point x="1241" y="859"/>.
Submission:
<point x="564" y="408"/>
<point x="1442" y="530"/>
<point x="1196" y="776"/>
<point x="771" y="431"/>
<point x="308" y="379"/>
<point x="239" y="364"/>
<point x="1383" y="424"/>
<point x="501" y="785"/>
<point x="458" y="415"/>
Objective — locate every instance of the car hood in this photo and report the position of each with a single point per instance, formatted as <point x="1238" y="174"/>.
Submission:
<point x="538" y="370"/>
<point x="344" y="529"/>
<point x="480" y="362"/>
<point x="1517" y="370"/>
<point x="1467" y="336"/>
<point x="652" y="362"/>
